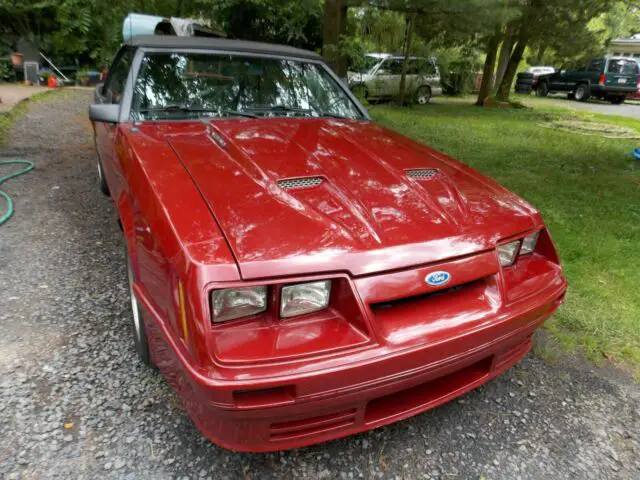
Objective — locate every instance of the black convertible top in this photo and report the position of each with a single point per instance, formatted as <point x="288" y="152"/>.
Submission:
<point x="208" y="43"/>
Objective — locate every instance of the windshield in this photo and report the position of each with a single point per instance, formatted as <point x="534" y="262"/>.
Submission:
<point x="191" y="85"/>
<point x="622" y="66"/>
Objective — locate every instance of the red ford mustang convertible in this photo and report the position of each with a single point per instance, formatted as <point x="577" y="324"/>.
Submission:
<point x="298" y="272"/>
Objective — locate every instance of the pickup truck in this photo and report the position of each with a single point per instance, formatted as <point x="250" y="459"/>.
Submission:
<point x="609" y="78"/>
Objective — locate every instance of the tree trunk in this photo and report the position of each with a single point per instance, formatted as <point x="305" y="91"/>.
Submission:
<point x="514" y="61"/>
<point x="489" y="67"/>
<point x="335" y="24"/>
<point x="505" y="52"/>
<point x="408" y="41"/>
<point x="541" y="49"/>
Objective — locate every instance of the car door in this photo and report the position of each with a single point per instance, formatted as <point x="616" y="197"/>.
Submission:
<point x="112" y="92"/>
<point x="415" y="75"/>
<point x="558" y="80"/>
<point x="595" y="68"/>
<point x="428" y="74"/>
<point x="377" y="78"/>
<point x="576" y="74"/>
<point x="388" y="78"/>
<point x="393" y="79"/>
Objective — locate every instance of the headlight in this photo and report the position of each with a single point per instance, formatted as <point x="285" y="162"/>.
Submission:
<point x="231" y="303"/>
<point x="507" y="253"/>
<point x="529" y="243"/>
<point x="304" y="298"/>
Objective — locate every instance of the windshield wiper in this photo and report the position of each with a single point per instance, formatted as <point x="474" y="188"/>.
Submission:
<point x="301" y="111"/>
<point x="187" y="108"/>
<point x="177" y="108"/>
<point x="281" y="109"/>
<point x="238" y="113"/>
<point x="333" y="115"/>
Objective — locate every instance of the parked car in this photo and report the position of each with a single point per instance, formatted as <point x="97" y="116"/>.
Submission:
<point x="608" y="78"/>
<point x="381" y="80"/>
<point x="527" y="81"/>
<point x="297" y="271"/>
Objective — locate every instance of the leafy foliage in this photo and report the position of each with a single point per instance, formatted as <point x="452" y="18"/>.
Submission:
<point x="291" y="22"/>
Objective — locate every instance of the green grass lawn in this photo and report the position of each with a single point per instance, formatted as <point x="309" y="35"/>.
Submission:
<point x="588" y="191"/>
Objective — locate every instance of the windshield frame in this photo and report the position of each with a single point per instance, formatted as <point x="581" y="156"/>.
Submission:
<point x="126" y="104"/>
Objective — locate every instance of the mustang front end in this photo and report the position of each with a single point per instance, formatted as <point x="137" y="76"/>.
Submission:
<point x="296" y="361"/>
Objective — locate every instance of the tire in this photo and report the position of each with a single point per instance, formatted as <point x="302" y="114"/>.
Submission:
<point x="582" y="93"/>
<point x="423" y="95"/>
<point x="102" y="182"/>
<point x="542" y="90"/>
<point x="617" y="100"/>
<point x="139" y="332"/>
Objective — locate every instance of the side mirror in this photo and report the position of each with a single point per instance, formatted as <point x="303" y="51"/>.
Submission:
<point x="108" y="112"/>
<point x="563" y="71"/>
<point x="382" y="71"/>
<point x="99" y="87"/>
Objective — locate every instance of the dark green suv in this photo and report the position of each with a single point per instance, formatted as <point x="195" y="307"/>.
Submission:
<point x="612" y="79"/>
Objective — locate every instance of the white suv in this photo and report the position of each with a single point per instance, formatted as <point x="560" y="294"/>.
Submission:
<point x="380" y="78"/>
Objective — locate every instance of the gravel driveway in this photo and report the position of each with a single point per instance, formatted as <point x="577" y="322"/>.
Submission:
<point x="76" y="403"/>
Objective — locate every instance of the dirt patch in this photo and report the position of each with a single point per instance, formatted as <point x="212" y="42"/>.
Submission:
<point x="582" y="127"/>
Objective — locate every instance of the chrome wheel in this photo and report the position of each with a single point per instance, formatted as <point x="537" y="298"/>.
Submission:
<point x="423" y="96"/>
<point x="135" y="310"/>
<point x="100" y="176"/>
<point x="139" y="333"/>
<point x="102" y="182"/>
<point x="581" y="93"/>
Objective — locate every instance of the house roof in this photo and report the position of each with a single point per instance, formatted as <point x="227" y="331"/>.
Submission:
<point x="208" y="43"/>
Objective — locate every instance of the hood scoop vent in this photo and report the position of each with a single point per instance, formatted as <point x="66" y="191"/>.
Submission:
<point x="422" y="173"/>
<point x="295" y="183"/>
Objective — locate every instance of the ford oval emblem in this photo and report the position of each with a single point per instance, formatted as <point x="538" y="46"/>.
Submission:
<point x="436" y="279"/>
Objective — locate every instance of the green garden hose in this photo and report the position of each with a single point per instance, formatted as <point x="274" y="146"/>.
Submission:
<point x="7" y="198"/>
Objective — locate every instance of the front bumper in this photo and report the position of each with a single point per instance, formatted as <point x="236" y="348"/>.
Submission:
<point x="364" y="390"/>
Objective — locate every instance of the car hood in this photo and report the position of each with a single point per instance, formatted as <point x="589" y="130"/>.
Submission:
<point x="353" y="207"/>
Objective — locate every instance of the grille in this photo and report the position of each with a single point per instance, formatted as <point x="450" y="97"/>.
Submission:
<point x="422" y="173"/>
<point x="300" y="182"/>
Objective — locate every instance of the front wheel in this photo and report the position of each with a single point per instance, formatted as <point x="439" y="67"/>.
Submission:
<point x="139" y="332"/>
<point x="423" y="95"/>
<point x="582" y="92"/>
<point x="102" y="182"/>
<point x="542" y="90"/>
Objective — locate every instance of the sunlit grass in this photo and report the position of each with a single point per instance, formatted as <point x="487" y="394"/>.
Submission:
<point x="588" y="190"/>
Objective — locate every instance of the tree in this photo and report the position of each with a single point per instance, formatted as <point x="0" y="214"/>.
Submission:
<point x="291" y="22"/>
<point x="335" y="24"/>
<point x="489" y="66"/>
<point x="460" y="19"/>
<point x="560" y="23"/>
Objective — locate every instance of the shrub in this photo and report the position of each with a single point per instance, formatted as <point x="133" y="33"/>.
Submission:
<point x="82" y="77"/>
<point x="7" y="72"/>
